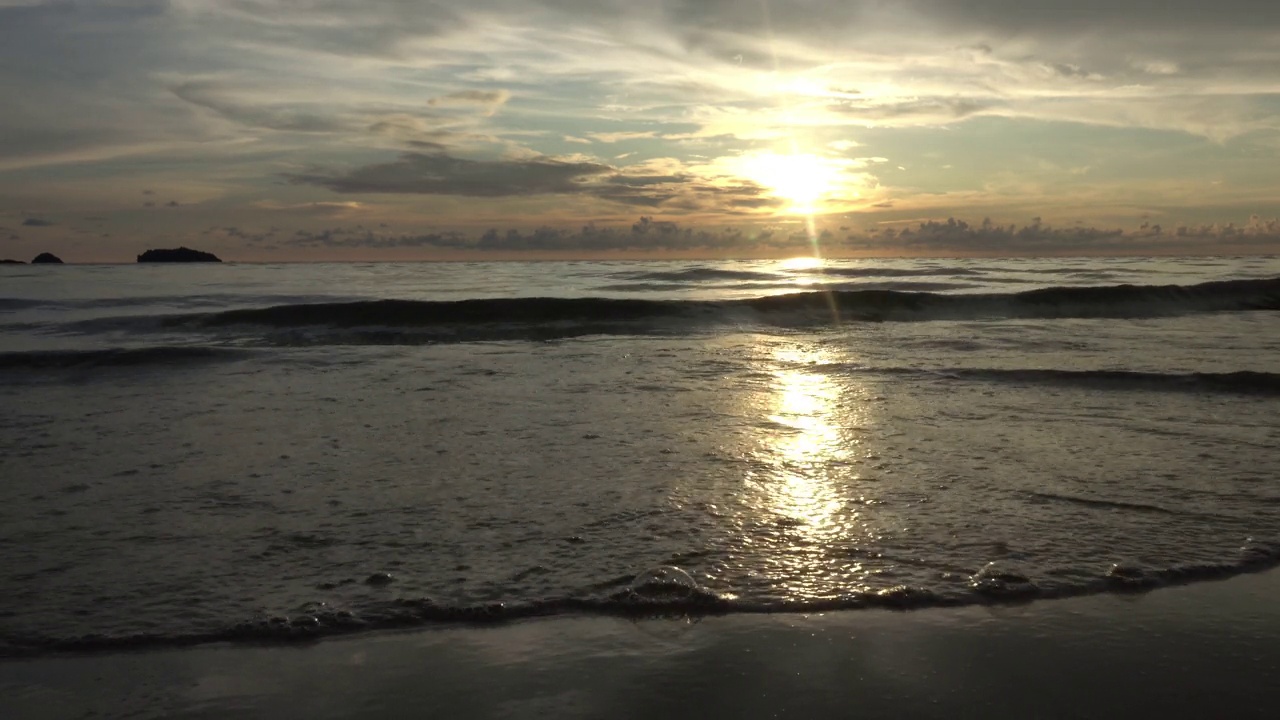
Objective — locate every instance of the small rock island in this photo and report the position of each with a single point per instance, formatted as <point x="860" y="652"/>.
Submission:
<point x="47" y="258"/>
<point x="7" y="261"/>
<point x="177" y="255"/>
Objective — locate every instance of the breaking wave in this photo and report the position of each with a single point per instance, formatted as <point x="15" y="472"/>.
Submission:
<point x="549" y="317"/>
<point x="992" y="585"/>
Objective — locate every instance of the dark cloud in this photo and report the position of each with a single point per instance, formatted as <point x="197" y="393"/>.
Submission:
<point x="1038" y="237"/>
<point x="647" y="180"/>
<point x="683" y="192"/>
<point x="36" y="222"/>
<point x="247" y="237"/>
<point x="930" y="237"/>
<point x="645" y="234"/>
<point x="361" y="237"/>
<point x="441" y="174"/>
<point x="961" y="236"/>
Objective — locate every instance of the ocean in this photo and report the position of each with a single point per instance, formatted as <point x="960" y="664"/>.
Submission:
<point x="261" y="453"/>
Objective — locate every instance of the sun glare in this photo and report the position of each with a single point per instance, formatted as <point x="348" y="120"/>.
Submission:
<point x="800" y="263"/>
<point x="802" y="180"/>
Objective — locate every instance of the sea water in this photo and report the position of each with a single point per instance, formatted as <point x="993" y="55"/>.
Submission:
<point x="218" y="452"/>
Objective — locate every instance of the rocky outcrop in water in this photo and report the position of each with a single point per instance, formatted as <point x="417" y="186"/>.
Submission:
<point x="7" y="261"/>
<point x="180" y="254"/>
<point x="47" y="258"/>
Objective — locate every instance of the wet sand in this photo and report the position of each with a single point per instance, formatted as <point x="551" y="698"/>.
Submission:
<point x="1204" y="650"/>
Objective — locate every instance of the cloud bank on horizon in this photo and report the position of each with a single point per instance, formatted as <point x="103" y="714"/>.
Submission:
<point x="312" y="129"/>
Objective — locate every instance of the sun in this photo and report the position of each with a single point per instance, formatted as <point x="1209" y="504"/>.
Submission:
<point x="803" y="180"/>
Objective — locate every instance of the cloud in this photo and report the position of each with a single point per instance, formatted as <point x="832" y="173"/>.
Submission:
<point x="928" y="237"/>
<point x="926" y="110"/>
<point x="489" y="100"/>
<point x="613" y="137"/>
<point x="213" y="96"/>
<point x="472" y="97"/>
<point x="669" y="184"/>
<point x="352" y="116"/>
<point x="1046" y="16"/>
<point x="312" y="208"/>
<point x="361" y="237"/>
<point x="372" y="28"/>
<point x="646" y="234"/>
<point x="441" y="174"/>
<point x="432" y="133"/>
<point x="1037" y="238"/>
<point x="36" y="222"/>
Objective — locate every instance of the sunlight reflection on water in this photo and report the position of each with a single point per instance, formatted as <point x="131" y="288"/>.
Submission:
<point x="801" y="485"/>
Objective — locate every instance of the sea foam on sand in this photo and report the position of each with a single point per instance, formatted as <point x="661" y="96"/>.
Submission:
<point x="1205" y="650"/>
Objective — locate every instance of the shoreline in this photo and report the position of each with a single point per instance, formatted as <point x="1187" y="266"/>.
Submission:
<point x="1204" y="649"/>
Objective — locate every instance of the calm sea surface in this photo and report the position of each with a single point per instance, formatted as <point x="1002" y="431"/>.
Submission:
<point x="192" y="453"/>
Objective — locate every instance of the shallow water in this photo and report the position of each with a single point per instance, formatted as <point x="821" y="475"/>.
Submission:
<point x="183" y="464"/>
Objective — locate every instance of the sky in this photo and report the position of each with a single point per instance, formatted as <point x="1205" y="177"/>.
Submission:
<point x="297" y="130"/>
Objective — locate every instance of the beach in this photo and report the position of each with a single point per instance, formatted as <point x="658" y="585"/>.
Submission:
<point x="1205" y="650"/>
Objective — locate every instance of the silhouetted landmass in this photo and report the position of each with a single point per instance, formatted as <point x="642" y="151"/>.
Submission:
<point x="47" y="258"/>
<point x="7" y="261"/>
<point x="181" y="254"/>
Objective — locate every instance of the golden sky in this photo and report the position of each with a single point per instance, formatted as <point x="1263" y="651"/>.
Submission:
<point x="379" y="129"/>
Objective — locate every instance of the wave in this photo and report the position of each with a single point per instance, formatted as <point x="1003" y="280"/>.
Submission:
<point x="693" y="275"/>
<point x="873" y="272"/>
<point x="790" y="285"/>
<point x="414" y="322"/>
<point x="543" y="317"/>
<point x="705" y="274"/>
<point x="1105" y="504"/>
<point x="13" y="304"/>
<point x="993" y="585"/>
<point x="1243" y="382"/>
<point x="206" y="300"/>
<point x="168" y="355"/>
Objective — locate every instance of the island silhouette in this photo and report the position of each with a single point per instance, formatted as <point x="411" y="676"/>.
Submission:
<point x="179" y="254"/>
